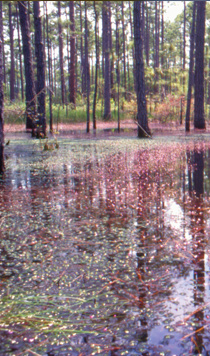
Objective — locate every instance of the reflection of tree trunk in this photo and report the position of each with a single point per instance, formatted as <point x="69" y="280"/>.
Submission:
<point x="198" y="232"/>
<point x="198" y="174"/>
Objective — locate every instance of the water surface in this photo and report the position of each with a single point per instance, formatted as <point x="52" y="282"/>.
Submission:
<point x="105" y="248"/>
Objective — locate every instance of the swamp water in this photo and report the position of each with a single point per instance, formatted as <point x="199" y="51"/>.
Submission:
<point x="105" y="249"/>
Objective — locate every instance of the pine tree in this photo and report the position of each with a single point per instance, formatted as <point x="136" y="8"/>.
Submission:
<point x="2" y="165"/>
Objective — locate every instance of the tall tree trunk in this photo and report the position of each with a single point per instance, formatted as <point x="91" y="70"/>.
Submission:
<point x="124" y="55"/>
<point x="157" y="42"/>
<point x="28" y="64"/>
<point x="82" y="66"/>
<point x="96" y="64"/>
<point x="72" y="87"/>
<point x="117" y="69"/>
<point x="60" y="34"/>
<point x="191" y="65"/>
<point x="2" y="165"/>
<point x="49" y="70"/>
<point x="111" y="52"/>
<point x="143" y="128"/>
<point x="133" y="55"/>
<point x="87" y="70"/>
<point x="147" y="30"/>
<point x="184" y="37"/>
<point x="162" y="34"/>
<point x="199" y="120"/>
<point x="12" y="59"/>
<point x="105" y="19"/>
<point x="40" y="61"/>
<point x="4" y="61"/>
<point x="20" y="56"/>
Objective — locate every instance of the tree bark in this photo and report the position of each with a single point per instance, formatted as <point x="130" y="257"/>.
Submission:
<point x="87" y="71"/>
<point x="117" y="68"/>
<point x="40" y="62"/>
<point x="133" y="55"/>
<point x="199" y="120"/>
<point x="60" y="34"/>
<point x="96" y="63"/>
<point x="191" y="65"/>
<point x="143" y="128"/>
<point x="12" y="58"/>
<point x="82" y="69"/>
<point x="124" y="56"/>
<point x="157" y="44"/>
<point x="28" y="64"/>
<point x="20" y="56"/>
<point x="184" y="37"/>
<point x="72" y="86"/>
<point x="105" y="19"/>
<point x="162" y="34"/>
<point x="49" y="70"/>
<point x="2" y="165"/>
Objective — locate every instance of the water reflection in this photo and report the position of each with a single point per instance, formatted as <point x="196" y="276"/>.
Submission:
<point x="121" y="230"/>
<point x="198" y="237"/>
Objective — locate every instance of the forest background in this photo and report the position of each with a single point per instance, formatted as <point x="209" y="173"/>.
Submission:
<point x="78" y="38"/>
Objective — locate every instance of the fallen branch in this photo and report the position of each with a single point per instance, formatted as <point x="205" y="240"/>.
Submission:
<point x="136" y="122"/>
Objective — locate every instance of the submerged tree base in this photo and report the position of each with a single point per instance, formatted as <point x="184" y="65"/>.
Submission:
<point x="143" y="132"/>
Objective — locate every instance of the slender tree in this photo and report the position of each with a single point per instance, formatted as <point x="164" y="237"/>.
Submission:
<point x="117" y="68"/>
<point x="124" y="55"/>
<point x="143" y="128"/>
<point x="60" y="34"/>
<point x="191" y="65"/>
<point x="107" y="81"/>
<point x="96" y="63"/>
<point x="20" y="55"/>
<point x="184" y="36"/>
<point x="162" y="33"/>
<point x="40" y="62"/>
<point x="12" y="58"/>
<point x="2" y="165"/>
<point x="28" y="64"/>
<point x="87" y="70"/>
<point x="72" y="83"/>
<point x="82" y="66"/>
<point x="49" y="58"/>
<point x="199" y="119"/>
<point x="157" y="45"/>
